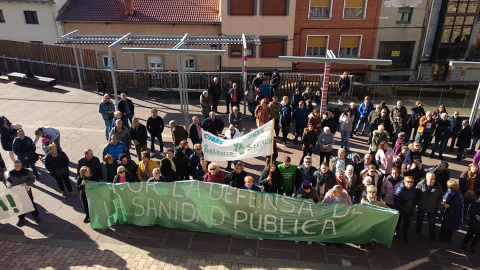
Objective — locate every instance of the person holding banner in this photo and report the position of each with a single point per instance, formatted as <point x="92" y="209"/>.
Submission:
<point x="157" y="177"/>
<point x="20" y="176"/>
<point x="250" y="185"/>
<point x="214" y="174"/>
<point x="289" y="173"/>
<point x="271" y="181"/>
<point x="123" y="176"/>
<point x="236" y="178"/>
<point x="84" y="175"/>
<point x="306" y="191"/>
<point x="167" y="166"/>
<point x="231" y="134"/>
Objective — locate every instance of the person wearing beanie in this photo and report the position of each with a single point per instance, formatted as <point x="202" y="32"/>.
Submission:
<point x="306" y="191"/>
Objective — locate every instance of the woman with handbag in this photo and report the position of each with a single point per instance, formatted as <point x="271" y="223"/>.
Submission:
<point x="470" y="186"/>
<point x="56" y="163"/>
<point x="452" y="211"/>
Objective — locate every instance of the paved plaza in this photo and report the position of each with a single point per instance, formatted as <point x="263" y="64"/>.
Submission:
<point x="63" y="241"/>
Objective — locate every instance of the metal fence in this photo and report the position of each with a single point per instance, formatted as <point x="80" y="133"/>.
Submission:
<point x="144" y="80"/>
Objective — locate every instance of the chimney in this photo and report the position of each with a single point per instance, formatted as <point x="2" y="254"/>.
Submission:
<point x="129" y="7"/>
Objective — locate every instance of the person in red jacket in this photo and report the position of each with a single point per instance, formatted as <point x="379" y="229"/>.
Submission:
<point x="214" y="174"/>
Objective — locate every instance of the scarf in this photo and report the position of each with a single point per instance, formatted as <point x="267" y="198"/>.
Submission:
<point x="341" y="183"/>
<point x="471" y="180"/>
<point x="349" y="178"/>
<point x="394" y="181"/>
<point x="145" y="173"/>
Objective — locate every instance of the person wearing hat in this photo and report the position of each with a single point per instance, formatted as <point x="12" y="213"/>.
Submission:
<point x="275" y="82"/>
<point x="306" y="191"/>
<point x="206" y="104"/>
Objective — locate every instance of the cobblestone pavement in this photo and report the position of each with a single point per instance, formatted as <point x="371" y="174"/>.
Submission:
<point x="62" y="241"/>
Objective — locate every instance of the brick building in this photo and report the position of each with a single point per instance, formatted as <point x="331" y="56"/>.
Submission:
<point x="348" y="28"/>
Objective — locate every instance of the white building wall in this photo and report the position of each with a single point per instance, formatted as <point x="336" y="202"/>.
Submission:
<point x="15" y="27"/>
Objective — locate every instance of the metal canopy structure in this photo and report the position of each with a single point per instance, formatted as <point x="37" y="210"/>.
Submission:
<point x="331" y="58"/>
<point x="180" y="48"/>
<point x="476" y="101"/>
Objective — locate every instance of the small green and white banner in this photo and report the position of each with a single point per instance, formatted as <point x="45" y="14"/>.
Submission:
<point x="14" y="202"/>
<point x="253" y="144"/>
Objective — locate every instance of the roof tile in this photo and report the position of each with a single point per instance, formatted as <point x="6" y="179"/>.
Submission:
<point x="149" y="11"/>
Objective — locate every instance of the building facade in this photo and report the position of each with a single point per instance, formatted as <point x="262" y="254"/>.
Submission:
<point x="272" y="20"/>
<point x="452" y="34"/>
<point x="347" y="27"/>
<point x="30" y="21"/>
<point x="164" y="18"/>
<point x="406" y="20"/>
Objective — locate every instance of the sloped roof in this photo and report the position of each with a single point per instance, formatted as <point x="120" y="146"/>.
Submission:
<point x="146" y="11"/>
<point x="28" y="1"/>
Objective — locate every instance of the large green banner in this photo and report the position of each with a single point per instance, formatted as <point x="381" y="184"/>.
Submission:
<point x="221" y="209"/>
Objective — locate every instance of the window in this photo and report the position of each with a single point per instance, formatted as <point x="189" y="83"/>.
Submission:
<point x="2" y="19"/>
<point x="319" y="9"/>
<point x="236" y="50"/>
<point x="31" y="17"/>
<point x="316" y="46"/>
<point x="274" y="7"/>
<point x="190" y="63"/>
<point x="273" y="46"/>
<point x="106" y="64"/>
<point x="404" y="15"/>
<point x="349" y="46"/>
<point x="155" y="62"/>
<point x="241" y="7"/>
<point x="354" y="9"/>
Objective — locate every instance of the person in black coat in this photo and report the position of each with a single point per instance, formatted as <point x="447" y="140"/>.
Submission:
<point x="463" y="139"/>
<point x="194" y="158"/>
<point x="155" y="127"/>
<point x="125" y="105"/>
<point x="121" y="171"/>
<point x="215" y="91"/>
<point x="228" y="86"/>
<point x="129" y="164"/>
<point x="442" y="174"/>
<point x="193" y="132"/>
<point x="271" y="183"/>
<point x="417" y="112"/>
<point x="324" y="179"/>
<point x="275" y="82"/>
<point x="166" y="167"/>
<point x="476" y="134"/>
<point x="138" y="134"/>
<point x="93" y="163"/>
<point x="180" y="159"/>
<point x="56" y="162"/>
<point x="213" y="124"/>
<point x="442" y="133"/>
<point x="84" y="175"/>
<point x="473" y="228"/>
<point x="236" y="178"/>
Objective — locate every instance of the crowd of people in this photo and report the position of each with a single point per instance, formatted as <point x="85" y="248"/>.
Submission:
<point x="390" y="175"/>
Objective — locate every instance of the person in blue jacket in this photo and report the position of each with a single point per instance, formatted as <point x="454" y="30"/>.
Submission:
<point x="404" y="201"/>
<point x="115" y="148"/>
<point x="300" y="118"/>
<point x="364" y="109"/>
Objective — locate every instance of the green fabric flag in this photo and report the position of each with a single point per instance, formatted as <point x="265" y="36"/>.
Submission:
<point x="221" y="209"/>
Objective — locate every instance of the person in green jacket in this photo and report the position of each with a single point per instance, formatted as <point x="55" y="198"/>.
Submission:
<point x="379" y="136"/>
<point x="289" y="173"/>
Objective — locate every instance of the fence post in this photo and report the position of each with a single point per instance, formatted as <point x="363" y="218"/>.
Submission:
<point x="18" y="64"/>
<point x="71" y="73"/>
<point x="43" y="69"/>
<point x="57" y="69"/>
<point x="170" y="80"/>
<point x="5" y="63"/>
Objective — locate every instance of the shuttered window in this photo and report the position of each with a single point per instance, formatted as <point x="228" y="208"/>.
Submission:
<point x="316" y="45"/>
<point x="354" y="9"/>
<point x="241" y="7"/>
<point x="349" y="46"/>
<point x="272" y="47"/>
<point x="319" y="9"/>
<point x="274" y="7"/>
